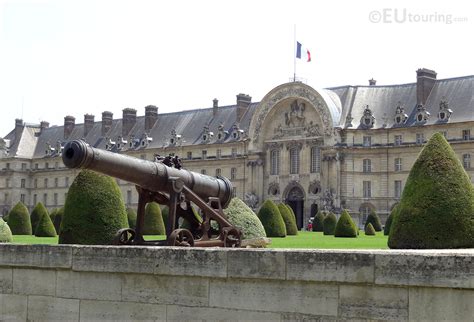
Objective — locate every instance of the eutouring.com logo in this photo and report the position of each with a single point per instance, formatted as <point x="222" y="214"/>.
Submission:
<point x="403" y="15"/>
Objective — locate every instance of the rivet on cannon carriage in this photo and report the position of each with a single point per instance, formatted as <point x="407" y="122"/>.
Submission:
<point x="166" y="183"/>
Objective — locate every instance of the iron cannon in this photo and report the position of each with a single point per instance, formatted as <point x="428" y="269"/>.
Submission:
<point x="164" y="181"/>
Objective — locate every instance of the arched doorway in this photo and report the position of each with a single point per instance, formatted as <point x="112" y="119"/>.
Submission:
<point x="295" y="199"/>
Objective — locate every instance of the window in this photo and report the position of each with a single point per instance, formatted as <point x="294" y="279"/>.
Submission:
<point x="23" y="166"/>
<point x="233" y="173"/>
<point x="367" y="165"/>
<point x="45" y="199"/>
<point x="22" y="198"/>
<point x="367" y="141"/>
<point x="56" y="165"/>
<point x="218" y="153"/>
<point x="398" y="188"/>
<point x="420" y="138"/>
<point x="274" y="162"/>
<point x="46" y="182"/>
<point x="234" y="192"/>
<point x="204" y="154"/>
<point x="445" y="134"/>
<point x="234" y="152"/>
<point x="36" y="183"/>
<point x="55" y="197"/>
<point x="56" y="182"/>
<point x="466" y="135"/>
<point x="66" y="181"/>
<point x="466" y="161"/>
<point x="203" y="171"/>
<point x="46" y="165"/>
<point x="398" y="140"/>
<point x="129" y="197"/>
<point x="365" y="210"/>
<point x="294" y="160"/>
<point x="189" y="155"/>
<point x="218" y="172"/>
<point x="7" y="183"/>
<point x="398" y="164"/>
<point x="35" y="199"/>
<point x="315" y="159"/>
<point x="366" y="185"/>
<point x="23" y="183"/>
<point x="6" y="197"/>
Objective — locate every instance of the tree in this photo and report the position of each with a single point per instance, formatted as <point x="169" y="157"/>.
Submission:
<point x="289" y="219"/>
<point x="19" y="220"/>
<point x="374" y="219"/>
<point x="437" y="205"/>
<point x="345" y="226"/>
<point x="5" y="232"/>
<point x="241" y="216"/>
<point x="57" y="219"/>
<point x="132" y="217"/>
<point x="38" y="211"/>
<point x="94" y="210"/>
<point x="369" y="230"/>
<point x="271" y="219"/>
<point x="154" y="224"/>
<point x="45" y="227"/>
<point x="165" y="211"/>
<point x="318" y="221"/>
<point x="329" y="224"/>
<point x="388" y="223"/>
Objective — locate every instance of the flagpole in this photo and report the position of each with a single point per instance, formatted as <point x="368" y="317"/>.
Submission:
<point x="294" y="53"/>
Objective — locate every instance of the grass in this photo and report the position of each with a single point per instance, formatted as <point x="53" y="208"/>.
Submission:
<point x="304" y="239"/>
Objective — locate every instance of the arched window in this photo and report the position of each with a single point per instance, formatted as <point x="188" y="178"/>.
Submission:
<point x="294" y="160"/>
<point x="275" y="162"/>
<point x="315" y="159"/>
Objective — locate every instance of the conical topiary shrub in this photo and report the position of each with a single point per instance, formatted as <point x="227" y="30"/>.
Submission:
<point x="19" y="220"/>
<point x="58" y="217"/>
<point x="5" y="232"/>
<point x="52" y="214"/>
<point x="318" y="224"/>
<point x="345" y="226"/>
<point x="374" y="219"/>
<point x="38" y="212"/>
<point x="153" y="221"/>
<point x="437" y="205"/>
<point x="369" y="229"/>
<point x="94" y="210"/>
<point x="241" y="216"/>
<point x="45" y="227"/>
<point x="165" y="211"/>
<point x="271" y="220"/>
<point x="329" y="224"/>
<point x="5" y="217"/>
<point x="289" y="219"/>
<point x="388" y="223"/>
<point x="131" y="217"/>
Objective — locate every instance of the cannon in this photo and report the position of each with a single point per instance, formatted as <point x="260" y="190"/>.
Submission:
<point x="165" y="182"/>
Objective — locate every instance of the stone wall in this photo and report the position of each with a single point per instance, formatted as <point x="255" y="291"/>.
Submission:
<point x="39" y="282"/>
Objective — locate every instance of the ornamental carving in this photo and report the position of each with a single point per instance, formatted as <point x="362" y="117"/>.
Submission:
<point x="444" y="111"/>
<point x="400" y="115"/>
<point x="294" y="144"/>
<point x="422" y="115"/>
<point x="295" y="118"/>
<point x="252" y="200"/>
<point x="367" y="120"/>
<point x="314" y="187"/>
<point x="273" y="146"/>
<point x="274" y="189"/>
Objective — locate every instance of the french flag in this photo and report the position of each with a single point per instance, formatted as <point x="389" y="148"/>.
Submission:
<point x="302" y="53"/>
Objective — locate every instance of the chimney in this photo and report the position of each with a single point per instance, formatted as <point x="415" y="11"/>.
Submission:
<point x="107" y="118"/>
<point x="88" y="123"/>
<point x="44" y="125"/>
<point x="243" y="102"/>
<point x="372" y="82"/>
<point x="18" y="128"/>
<point x="69" y="123"/>
<point x="151" y="116"/>
<point x="129" y="118"/>
<point x="215" y="106"/>
<point x="425" y="80"/>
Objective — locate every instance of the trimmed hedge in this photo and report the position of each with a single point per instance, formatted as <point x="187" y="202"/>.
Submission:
<point x="45" y="227"/>
<point x="57" y="219"/>
<point x="243" y="217"/>
<point x="329" y="224"/>
<point x="318" y="224"/>
<point x="289" y="219"/>
<point x="37" y="214"/>
<point x="5" y="232"/>
<point x="94" y="210"/>
<point x="19" y="220"/>
<point x="374" y="219"/>
<point x="388" y="223"/>
<point x="153" y="221"/>
<point x="131" y="217"/>
<point x="165" y="212"/>
<point x="369" y="230"/>
<point x="272" y="220"/>
<point x="345" y="226"/>
<point x="437" y="205"/>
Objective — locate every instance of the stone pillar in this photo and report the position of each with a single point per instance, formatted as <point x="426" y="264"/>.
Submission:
<point x="129" y="119"/>
<point x="69" y="123"/>
<point x="151" y="116"/>
<point x="107" y="118"/>
<point x="88" y="123"/>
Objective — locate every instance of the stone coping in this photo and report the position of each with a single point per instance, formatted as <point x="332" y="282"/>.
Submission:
<point x="429" y="268"/>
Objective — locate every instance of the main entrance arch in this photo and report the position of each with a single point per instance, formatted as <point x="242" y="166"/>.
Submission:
<point x="295" y="199"/>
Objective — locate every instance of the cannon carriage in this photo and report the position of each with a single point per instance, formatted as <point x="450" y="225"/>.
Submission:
<point x="168" y="184"/>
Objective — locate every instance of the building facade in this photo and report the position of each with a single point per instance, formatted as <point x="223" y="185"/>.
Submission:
<point x="348" y="147"/>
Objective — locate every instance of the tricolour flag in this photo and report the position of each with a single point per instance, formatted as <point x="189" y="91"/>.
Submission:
<point x="302" y="53"/>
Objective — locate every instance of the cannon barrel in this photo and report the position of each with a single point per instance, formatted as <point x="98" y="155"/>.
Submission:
<point x="153" y="176"/>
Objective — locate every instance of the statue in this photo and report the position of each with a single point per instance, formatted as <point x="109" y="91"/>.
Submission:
<point x="252" y="200"/>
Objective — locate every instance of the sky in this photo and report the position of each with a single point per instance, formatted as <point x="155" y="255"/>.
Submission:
<point x="70" y="57"/>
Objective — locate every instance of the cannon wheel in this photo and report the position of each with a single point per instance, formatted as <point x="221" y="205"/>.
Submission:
<point x="181" y="237"/>
<point x="232" y="237"/>
<point x="124" y="236"/>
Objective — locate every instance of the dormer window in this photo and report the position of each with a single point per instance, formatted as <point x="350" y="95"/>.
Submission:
<point x="174" y="138"/>
<point x="423" y="115"/>
<point x="207" y="135"/>
<point x="237" y="133"/>
<point x="400" y="115"/>
<point x="444" y="111"/>
<point x="221" y="133"/>
<point x="368" y="119"/>
<point x="49" y="149"/>
<point x="146" y="140"/>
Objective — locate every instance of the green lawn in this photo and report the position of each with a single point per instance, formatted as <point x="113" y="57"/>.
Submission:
<point x="305" y="239"/>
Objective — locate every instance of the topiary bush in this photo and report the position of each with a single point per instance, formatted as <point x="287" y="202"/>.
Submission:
<point x="5" y="232"/>
<point x="131" y="217"/>
<point x="388" y="223"/>
<point x="271" y="219"/>
<point x="289" y="219"/>
<point x="243" y="217"/>
<point x="94" y="210"/>
<point x="318" y="221"/>
<point x="369" y="230"/>
<point x="19" y="220"/>
<point x="374" y="219"/>
<point x="345" y="226"/>
<point x="45" y="227"/>
<point x="437" y="205"/>
<point x="154" y="224"/>
<point x="165" y="211"/>
<point x="329" y="224"/>
<point x="38" y="212"/>
<point x="58" y="217"/>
